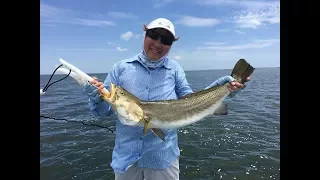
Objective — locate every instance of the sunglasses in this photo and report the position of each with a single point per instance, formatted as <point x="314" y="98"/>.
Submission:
<point x="166" y="40"/>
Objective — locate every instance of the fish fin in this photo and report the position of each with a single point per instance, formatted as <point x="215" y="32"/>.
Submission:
<point x="242" y="70"/>
<point x="221" y="110"/>
<point x="159" y="133"/>
<point x="146" y="124"/>
<point x="145" y="127"/>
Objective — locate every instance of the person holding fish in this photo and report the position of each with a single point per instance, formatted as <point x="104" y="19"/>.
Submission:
<point x="150" y="75"/>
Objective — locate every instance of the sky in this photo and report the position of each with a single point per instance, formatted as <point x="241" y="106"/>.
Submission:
<point x="94" y="34"/>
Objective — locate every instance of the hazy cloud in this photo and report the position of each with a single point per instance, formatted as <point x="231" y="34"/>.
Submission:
<point x="54" y="15"/>
<point x="90" y="22"/>
<point x="85" y="49"/>
<point x="121" y="49"/>
<point x="161" y="3"/>
<point x="215" y="43"/>
<point x="222" y="30"/>
<point x="248" y="4"/>
<point x="128" y="35"/>
<point x="253" y="45"/>
<point x="251" y="14"/>
<point x="122" y="15"/>
<point x="239" y="32"/>
<point x="255" y="18"/>
<point x="177" y="57"/>
<point x="197" y="21"/>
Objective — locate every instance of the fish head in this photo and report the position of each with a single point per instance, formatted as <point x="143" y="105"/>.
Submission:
<point x="125" y="105"/>
<point x="111" y="96"/>
<point x="117" y="94"/>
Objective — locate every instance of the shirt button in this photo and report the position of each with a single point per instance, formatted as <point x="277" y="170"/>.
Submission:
<point x="147" y="87"/>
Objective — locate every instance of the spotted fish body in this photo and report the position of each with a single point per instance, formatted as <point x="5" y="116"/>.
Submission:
<point x="167" y="114"/>
<point x="186" y="110"/>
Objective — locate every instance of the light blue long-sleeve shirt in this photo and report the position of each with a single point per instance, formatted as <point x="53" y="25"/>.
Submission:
<point x="165" y="82"/>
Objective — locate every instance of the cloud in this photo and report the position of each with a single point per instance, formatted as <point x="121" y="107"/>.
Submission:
<point x="255" y="18"/>
<point x="251" y="14"/>
<point x="49" y="11"/>
<point x="248" y="4"/>
<point x="253" y="45"/>
<point x="136" y="35"/>
<point x="90" y="22"/>
<point x="54" y="15"/>
<point x="122" y="15"/>
<point x="85" y="49"/>
<point x="239" y="32"/>
<point x="196" y="21"/>
<point x="222" y="30"/>
<point x="177" y="57"/>
<point x="94" y="49"/>
<point x="161" y="3"/>
<point x="121" y="49"/>
<point x="128" y="35"/>
<point x="215" y="43"/>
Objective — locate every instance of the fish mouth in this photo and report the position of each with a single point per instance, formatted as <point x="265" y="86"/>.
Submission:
<point x="109" y="96"/>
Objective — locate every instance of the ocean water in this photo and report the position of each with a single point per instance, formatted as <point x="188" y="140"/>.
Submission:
<point x="243" y="145"/>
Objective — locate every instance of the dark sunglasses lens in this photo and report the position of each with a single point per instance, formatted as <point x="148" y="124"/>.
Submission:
<point x="152" y="35"/>
<point x="155" y="36"/>
<point x="166" y="41"/>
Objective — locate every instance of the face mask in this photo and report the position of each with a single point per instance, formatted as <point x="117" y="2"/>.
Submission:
<point x="143" y="58"/>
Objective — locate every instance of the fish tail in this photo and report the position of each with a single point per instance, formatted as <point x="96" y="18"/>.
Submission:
<point x="242" y="70"/>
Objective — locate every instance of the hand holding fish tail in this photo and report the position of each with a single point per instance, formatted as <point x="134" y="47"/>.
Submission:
<point x="236" y="86"/>
<point x="233" y="87"/>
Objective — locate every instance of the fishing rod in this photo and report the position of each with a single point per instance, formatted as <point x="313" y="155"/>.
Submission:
<point x="78" y="75"/>
<point x="72" y="71"/>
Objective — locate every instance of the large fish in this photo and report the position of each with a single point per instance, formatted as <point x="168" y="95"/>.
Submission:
<point x="166" y="114"/>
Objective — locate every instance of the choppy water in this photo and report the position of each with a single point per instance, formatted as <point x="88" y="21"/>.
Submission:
<point x="243" y="145"/>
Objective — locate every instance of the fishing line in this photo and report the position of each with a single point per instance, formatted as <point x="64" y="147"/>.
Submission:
<point x="63" y="119"/>
<point x="48" y="85"/>
<point x="87" y="124"/>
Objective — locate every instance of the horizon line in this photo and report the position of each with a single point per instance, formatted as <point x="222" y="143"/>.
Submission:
<point x="184" y="70"/>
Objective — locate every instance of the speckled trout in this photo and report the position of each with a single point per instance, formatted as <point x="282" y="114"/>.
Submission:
<point x="166" y="114"/>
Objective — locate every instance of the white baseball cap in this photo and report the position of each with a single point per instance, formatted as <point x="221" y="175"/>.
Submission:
<point x="163" y="23"/>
